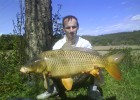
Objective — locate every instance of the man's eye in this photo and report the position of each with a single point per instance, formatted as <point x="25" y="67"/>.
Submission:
<point x="71" y="27"/>
<point x="67" y="27"/>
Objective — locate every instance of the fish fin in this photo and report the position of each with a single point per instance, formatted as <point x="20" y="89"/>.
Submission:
<point x="87" y="50"/>
<point x="67" y="82"/>
<point x="45" y="82"/>
<point x="98" y="74"/>
<point x="114" y="71"/>
<point x="116" y="58"/>
<point x="67" y="46"/>
<point x="112" y="67"/>
<point x="94" y="72"/>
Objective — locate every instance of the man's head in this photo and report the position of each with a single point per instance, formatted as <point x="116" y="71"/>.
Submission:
<point x="70" y="26"/>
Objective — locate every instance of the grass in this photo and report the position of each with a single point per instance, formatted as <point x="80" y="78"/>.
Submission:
<point x="127" y="88"/>
<point x="15" y="85"/>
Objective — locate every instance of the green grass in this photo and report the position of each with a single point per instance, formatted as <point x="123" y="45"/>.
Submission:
<point x="16" y="85"/>
<point x="127" y="88"/>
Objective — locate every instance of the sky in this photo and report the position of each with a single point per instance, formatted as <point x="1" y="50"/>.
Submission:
<point x="96" y="17"/>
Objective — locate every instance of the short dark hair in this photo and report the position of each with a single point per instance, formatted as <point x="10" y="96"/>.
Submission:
<point x="69" y="17"/>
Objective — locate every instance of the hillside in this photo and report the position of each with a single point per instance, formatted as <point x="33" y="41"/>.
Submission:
<point x="125" y="38"/>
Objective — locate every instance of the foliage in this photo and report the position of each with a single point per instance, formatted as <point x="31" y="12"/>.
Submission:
<point x="7" y="45"/>
<point x="12" y="82"/>
<point x="56" y="18"/>
<point x="57" y="25"/>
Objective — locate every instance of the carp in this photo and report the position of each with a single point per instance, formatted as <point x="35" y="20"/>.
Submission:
<point x="66" y="63"/>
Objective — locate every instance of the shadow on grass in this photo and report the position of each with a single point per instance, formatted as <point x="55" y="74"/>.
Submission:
<point x="80" y="97"/>
<point x="111" y="98"/>
<point x="20" y="99"/>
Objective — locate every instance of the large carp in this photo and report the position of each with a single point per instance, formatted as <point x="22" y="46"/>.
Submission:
<point x="65" y="64"/>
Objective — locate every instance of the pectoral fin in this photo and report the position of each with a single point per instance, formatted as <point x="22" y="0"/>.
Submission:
<point x="97" y="73"/>
<point x="94" y="72"/>
<point x="45" y="82"/>
<point x="67" y="82"/>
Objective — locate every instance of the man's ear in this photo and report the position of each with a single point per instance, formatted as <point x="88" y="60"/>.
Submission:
<point x="78" y="28"/>
<point x="64" y="30"/>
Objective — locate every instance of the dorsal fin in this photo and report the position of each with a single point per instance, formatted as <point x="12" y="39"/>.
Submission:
<point x="69" y="46"/>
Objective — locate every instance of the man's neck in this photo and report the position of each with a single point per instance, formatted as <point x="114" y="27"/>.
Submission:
<point x="71" y="41"/>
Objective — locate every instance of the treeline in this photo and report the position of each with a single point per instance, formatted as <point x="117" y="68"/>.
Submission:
<point x="8" y="42"/>
<point x="123" y="38"/>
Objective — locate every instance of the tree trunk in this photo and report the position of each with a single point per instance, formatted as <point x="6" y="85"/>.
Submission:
<point x="38" y="26"/>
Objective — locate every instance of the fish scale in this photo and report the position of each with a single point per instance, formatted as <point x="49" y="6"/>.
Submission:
<point x="70" y="62"/>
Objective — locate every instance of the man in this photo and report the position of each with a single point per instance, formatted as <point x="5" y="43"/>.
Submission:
<point x="70" y="27"/>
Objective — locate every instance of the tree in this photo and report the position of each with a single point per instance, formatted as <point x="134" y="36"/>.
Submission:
<point x="38" y="26"/>
<point x="57" y="25"/>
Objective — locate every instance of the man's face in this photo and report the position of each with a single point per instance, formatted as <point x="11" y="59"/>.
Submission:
<point x="70" y="28"/>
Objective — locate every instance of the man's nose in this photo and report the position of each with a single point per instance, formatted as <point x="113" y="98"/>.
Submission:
<point x="71" y="29"/>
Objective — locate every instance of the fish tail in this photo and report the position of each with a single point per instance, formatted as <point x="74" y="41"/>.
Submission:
<point x="112" y="66"/>
<point x="114" y="71"/>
